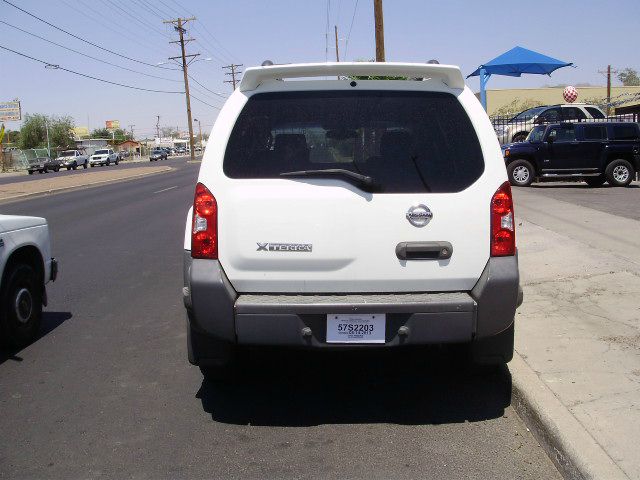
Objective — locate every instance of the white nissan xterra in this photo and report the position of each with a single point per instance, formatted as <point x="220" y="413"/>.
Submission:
<point x="334" y="213"/>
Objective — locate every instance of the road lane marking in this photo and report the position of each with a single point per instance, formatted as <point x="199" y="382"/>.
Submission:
<point x="166" y="189"/>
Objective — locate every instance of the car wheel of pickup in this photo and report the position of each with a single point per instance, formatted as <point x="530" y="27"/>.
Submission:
<point x="619" y="173"/>
<point x="520" y="173"/>
<point x="75" y="165"/>
<point x="108" y="162"/>
<point x="21" y="306"/>
<point x="85" y="165"/>
<point x="596" y="181"/>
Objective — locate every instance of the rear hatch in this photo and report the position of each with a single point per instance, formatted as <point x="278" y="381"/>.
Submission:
<point x="322" y="189"/>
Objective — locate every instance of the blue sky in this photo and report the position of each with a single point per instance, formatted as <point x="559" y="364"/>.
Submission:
<point x="590" y="33"/>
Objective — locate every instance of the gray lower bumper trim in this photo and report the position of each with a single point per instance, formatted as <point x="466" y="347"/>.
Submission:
<point x="372" y="303"/>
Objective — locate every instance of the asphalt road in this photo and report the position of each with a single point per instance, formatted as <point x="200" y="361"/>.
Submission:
<point x="24" y="177"/>
<point x="107" y="390"/>
<point x="623" y="202"/>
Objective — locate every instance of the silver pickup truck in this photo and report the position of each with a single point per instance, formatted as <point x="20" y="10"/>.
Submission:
<point x="73" y="159"/>
<point x="26" y="266"/>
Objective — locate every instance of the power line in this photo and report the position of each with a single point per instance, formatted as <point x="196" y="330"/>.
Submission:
<point x="100" y="21"/>
<point x="215" y="93"/>
<point x="85" y="40"/>
<point x="128" y="14"/>
<point x="346" y="45"/>
<point x="202" y="101"/>
<point x="87" y="55"/>
<point x="58" y="67"/>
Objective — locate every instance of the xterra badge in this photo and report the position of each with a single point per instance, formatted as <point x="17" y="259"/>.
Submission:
<point x="284" y="247"/>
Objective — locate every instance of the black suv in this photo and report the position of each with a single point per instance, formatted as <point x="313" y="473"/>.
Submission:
<point x="593" y="151"/>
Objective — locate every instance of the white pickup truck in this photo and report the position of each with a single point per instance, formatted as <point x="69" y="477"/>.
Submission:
<point x="73" y="159"/>
<point x="26" y="266"/>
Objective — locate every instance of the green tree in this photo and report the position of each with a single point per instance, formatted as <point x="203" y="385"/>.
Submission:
<point x="629" y="77"/>
<point x="100" y="133"/>
<point x="374" y="77"/>
<point x="33" y="133"/>
<point x="61" y="133"/>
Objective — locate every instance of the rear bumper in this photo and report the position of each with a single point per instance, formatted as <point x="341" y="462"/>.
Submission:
<point x="217" y="310"/>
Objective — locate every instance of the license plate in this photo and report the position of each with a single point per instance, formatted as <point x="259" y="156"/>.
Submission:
<point x="353" y="328"/>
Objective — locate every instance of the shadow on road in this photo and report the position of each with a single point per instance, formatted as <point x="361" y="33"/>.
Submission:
<point x="404" y="387"/>
<point x="50" y="321"/>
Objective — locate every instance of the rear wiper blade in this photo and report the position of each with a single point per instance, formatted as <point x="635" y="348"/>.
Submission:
<point x="367" y="183"/>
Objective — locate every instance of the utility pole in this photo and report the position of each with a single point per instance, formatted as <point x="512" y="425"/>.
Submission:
<point x="131" y="130"/>
<point x="377" y="10"/>
<point x="158" y="128"/>
<point x="608" y="73"/>
<point x="178" y="25"/>
<point x="233" y="74"/>
<point x="46" y="126"/>
<point x="335" y="28"/>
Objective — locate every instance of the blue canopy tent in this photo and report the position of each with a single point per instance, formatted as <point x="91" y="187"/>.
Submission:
<point x="514" y="63"/>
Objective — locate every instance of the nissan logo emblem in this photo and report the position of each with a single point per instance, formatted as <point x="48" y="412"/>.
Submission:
<point x="419" y="215"/>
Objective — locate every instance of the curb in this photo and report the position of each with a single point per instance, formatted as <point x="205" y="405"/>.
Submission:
<point x="572" y="449"/>
<point x="43" y="193"/>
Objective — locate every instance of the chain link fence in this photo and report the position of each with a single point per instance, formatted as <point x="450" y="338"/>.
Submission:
<point x="17" y="160"/>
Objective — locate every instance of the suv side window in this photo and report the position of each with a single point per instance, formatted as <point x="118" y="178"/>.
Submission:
<point x="595" y="132"/>
<point x="563" y="133"/>
<point x="572" y="113"/>
<point x="595" y="113"/>
<point x="549" y="116"/>
<point x="625" y="132"/>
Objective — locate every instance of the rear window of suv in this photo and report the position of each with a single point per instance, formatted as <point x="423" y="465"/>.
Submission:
<point x="625" y="132"/>
<point x="406" y="141"/>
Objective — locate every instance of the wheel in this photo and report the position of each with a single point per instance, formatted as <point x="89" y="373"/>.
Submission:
<point x="91" y="165"/>
<point x="117" y="161"/>
<point x="30" y="172"/>
<point x="68" y="168"/>
<point x="85" y="165"/>
<point x="520" y="137"/>
<point x="108" y="162"/>
<point x="21" y="306"/>
<point x="521" y="173"/>
<point x="596" y="181"/>
<point x="619" y="173"/>
<point x="57" y="169"/>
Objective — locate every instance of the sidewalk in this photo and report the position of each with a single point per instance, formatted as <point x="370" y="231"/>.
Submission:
<point x="578" y="331"/>
<point x="52" y="183"/>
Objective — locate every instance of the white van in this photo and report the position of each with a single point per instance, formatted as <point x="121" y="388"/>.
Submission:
<point x="332" y="213"/>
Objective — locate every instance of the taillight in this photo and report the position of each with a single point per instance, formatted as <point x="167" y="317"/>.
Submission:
<point x="503" y="231"/>
<point x="204" y="227"/>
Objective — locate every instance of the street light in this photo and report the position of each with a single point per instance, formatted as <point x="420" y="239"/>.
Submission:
<point x="199" y="129"/>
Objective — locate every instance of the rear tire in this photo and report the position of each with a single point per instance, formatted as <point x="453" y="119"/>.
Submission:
<point x="595" y="182"/>
<point x="68" y="168"/>
<point x="21" y="306"/>
<point x="521" y="173"/>
<point x="619" y="173"/>
<point x="85" y="165"/>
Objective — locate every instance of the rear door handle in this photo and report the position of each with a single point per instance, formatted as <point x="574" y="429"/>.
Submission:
<point x="424" y="250"/>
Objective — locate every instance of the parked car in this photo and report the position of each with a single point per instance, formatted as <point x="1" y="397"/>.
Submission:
<point x="517" y="128"/>
<point x="52" y="164"/>
<point x="338" y="214"/>
<point x="124" y="154"/>
<point x="593" y="152"/>
<point x="157" y="154"/>
<point x="26" y="267"/>
<point x="104" y="156"/>
<point x="72" y="159"/>
<point x="39" y="164"/>
<point x="181" y="151"/>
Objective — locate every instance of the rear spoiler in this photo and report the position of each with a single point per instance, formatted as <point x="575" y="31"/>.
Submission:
<point x="449" y="74"/>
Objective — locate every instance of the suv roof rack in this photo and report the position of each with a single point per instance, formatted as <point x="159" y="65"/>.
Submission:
<point x="254" y="76"/>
